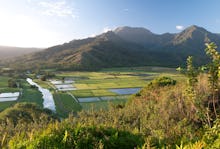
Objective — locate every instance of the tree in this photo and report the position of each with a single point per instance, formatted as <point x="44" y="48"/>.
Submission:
<point x="191" y="74"/>
<point x="12" y="83"/>
<point x="214" y="72"/>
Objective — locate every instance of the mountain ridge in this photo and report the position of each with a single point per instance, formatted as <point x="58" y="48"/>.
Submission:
<point x="126" y="46"/>
<point x="12" y="52"/>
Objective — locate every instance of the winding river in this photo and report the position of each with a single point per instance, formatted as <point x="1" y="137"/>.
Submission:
<point x="47" y="96"/>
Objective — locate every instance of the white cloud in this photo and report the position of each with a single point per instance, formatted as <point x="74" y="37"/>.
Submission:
<point x="179" y="27"/>
<point x="106" y="29"/>
<point x="93" y="35"/>
<point x="59" y="8"/>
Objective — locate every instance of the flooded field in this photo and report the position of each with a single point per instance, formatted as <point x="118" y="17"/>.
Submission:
<point x="125" y="91"/>
<point x="63" y="85"/>
<point x="89" y="99"/>
<point x="9" y="96"/>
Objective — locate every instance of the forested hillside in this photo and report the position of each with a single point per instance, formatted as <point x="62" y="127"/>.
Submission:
<point x="124" y="47"/>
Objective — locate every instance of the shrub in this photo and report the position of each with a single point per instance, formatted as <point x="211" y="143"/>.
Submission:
<point x="67" y="136"/>
<point x="162" y="81"/>
<point x="12" y="83"/>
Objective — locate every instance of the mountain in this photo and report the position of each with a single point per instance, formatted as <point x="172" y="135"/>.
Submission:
<point x="192" y="41"/>
<point x="125" y="46"/>
<point x="142" y="36"/>
<point x="137" y="35"/>
<point x="11" y="52"/>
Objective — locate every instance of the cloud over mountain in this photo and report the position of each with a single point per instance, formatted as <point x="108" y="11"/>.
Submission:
<point x="179" y="27"/>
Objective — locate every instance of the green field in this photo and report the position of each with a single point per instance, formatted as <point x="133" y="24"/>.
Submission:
<point x="4" y="85"/>
<point x="92" y="93"/>
<point x="102" y="104"/>
<point x="97" y="84"/>
<point x="3" y="89"/>
<point x="44" y="84"/>
<point x="4" y="81"/>
<point x="6" y="104"/>
<point x="88" y="84"/>
<point x="65" y="104"/>
<point x="30" y="94"/>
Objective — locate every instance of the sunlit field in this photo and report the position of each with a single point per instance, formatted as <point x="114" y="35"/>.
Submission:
<point x="99" y="84"/>
<point x="92" y="90"/>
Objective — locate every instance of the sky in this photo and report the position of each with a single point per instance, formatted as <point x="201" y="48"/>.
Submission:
<point x="45" y="23"/>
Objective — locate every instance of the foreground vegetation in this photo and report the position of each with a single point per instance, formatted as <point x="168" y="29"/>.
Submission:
<point x="159" y="116"/>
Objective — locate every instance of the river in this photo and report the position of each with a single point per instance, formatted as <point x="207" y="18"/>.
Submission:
<point x="47" y="96"/>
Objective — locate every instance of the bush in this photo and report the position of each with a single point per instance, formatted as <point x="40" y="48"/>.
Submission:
<point x="162" y="81"/>
<point x="12" y="83"/>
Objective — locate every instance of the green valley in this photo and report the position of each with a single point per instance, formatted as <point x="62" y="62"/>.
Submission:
<point x="88" y="85"/>
<point x="123" y="105"/>
<point x="109" y="74"/>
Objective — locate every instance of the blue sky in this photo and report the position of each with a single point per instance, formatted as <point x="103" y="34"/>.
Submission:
<point x="44" y="23"/>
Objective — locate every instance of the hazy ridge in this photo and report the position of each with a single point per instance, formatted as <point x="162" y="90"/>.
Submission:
<point x="11" y="52"/>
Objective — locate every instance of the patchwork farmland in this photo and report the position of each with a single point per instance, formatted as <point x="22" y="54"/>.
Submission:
<point x="75" y="91"/>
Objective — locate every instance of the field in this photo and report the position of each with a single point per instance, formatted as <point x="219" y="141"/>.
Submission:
<point x="103" y="104"/>
<point x="4" y="88"/>
<point x="65" y="104"/>
<point x="99" y="84"/>
<point x="4" y="85"/>
<point x="4" y="81"/>
<point x="30" y="94"/>
<point x="90" y="84"/>
<point x="6" y="104"/>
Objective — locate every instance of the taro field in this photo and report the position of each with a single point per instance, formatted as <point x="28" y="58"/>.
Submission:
<point x="74" y="91"/>
<point x="98" y="90"/>
<point x="26" y="93"/>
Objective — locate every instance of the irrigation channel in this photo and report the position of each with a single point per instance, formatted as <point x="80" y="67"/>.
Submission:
<point x="47" y="96"/>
